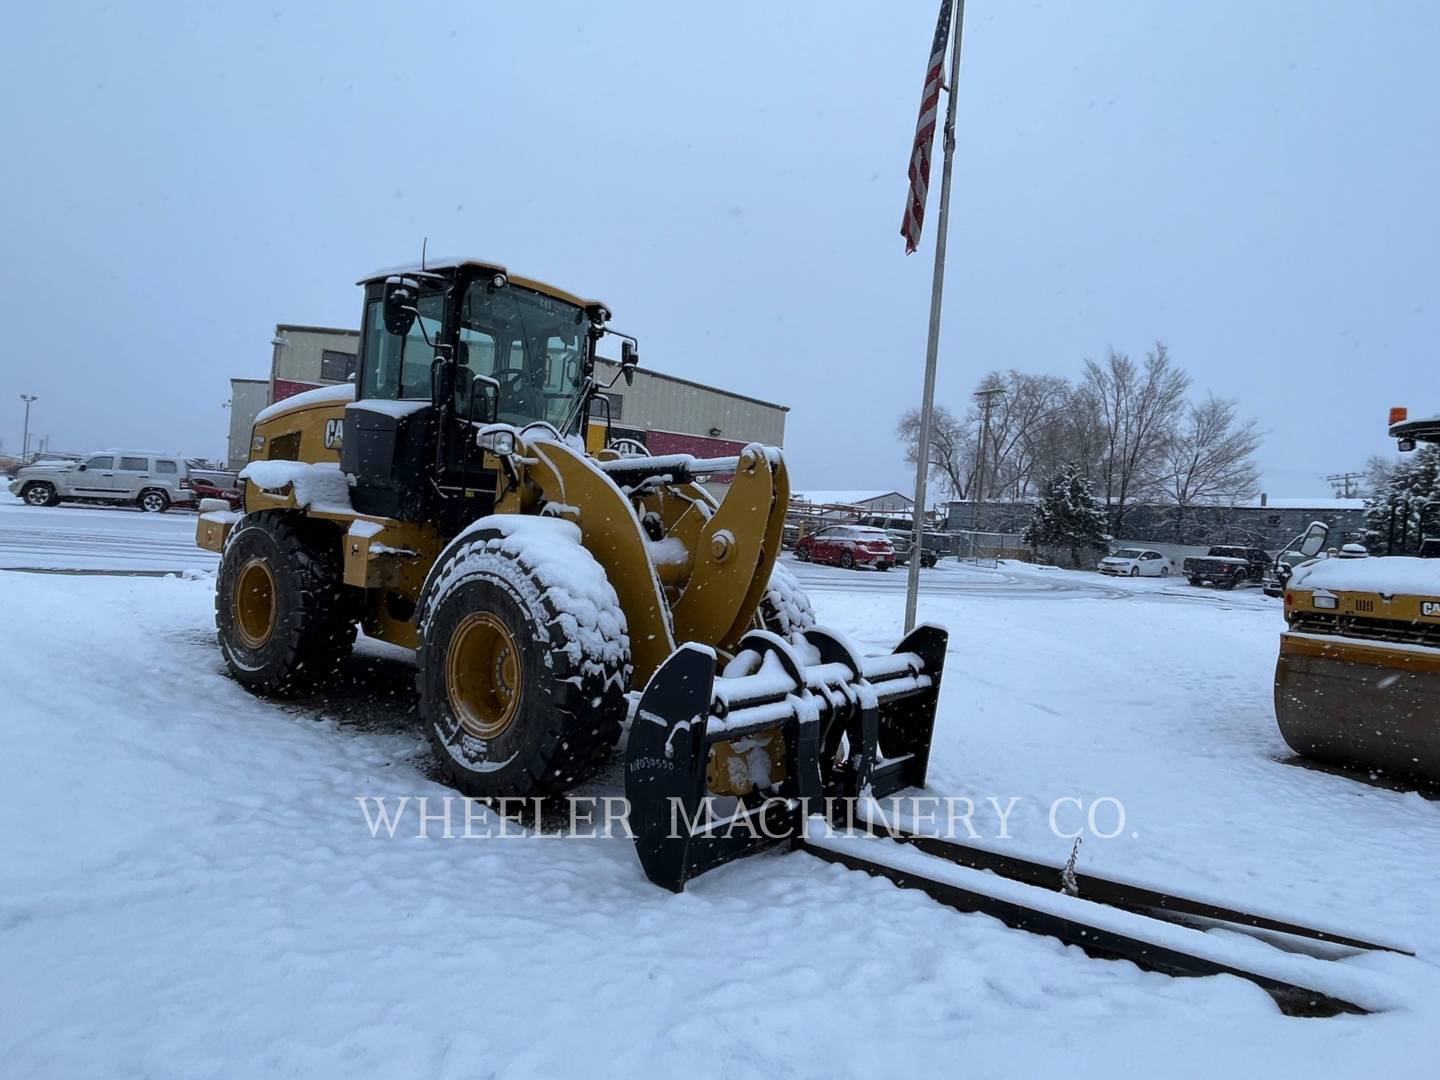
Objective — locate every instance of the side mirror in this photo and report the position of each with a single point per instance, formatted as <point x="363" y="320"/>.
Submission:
<point x="81" y="468"/>
<point x="400" y="297"/>
<point x="629" y="360"/>
<point x="1314" y="539"/>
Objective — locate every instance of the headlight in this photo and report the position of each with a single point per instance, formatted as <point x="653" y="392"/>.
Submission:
<point x="499" y="441"/>
<point x="1327" y="603"/>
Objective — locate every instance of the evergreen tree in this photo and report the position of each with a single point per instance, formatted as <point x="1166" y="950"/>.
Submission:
<point x="1399" y="497"/>
<point x="1067" y="515"/>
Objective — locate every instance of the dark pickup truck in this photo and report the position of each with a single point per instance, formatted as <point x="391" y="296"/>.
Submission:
<point x="1226" y="567"/>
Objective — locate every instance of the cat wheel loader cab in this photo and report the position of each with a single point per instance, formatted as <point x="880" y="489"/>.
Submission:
<point x="457" y="499"/>
<point x="1357" y="682"/>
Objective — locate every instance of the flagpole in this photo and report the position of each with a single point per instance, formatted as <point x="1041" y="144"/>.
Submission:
<point x="932" y="346"/>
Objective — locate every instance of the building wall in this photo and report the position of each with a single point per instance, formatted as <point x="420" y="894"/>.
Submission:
<point x="247" y="398"/>
<point x="1270" y="527"/>
<point x="888" y="504"/>
<point x="298" y="360"/>
<point x="658" y="402"/>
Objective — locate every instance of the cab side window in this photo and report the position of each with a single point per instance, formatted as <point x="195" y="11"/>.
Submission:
<point x="396" y="366"/>
<point x="102" y="461"/>
<point x="135" y="464"/>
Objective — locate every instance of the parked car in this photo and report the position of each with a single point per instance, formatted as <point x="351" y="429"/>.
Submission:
<point x="153" y="482"/>
<point x="848" y="546"/>
<point x="1136" y="562"/>
<point x="1225" y="566"/>
<point x="205" y="489"/>
<point x="902" y="541"/>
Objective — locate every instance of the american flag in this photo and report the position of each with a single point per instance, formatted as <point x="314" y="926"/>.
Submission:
<point x="925" y="134"/>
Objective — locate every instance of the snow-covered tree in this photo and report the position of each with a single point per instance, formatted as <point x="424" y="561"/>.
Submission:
<point x="1400" y="493"/>
<point x="1067" y="517"/>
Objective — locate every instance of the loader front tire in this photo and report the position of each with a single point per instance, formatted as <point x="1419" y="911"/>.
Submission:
<point x="282" y="611"/>
<point x="524" y="661"/>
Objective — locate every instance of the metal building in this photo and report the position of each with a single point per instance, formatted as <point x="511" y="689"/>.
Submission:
<point x="247" y="398"/>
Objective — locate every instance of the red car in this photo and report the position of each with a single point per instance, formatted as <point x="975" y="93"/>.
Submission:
<point x="848" y="546"/>
<point x="205" y="490"/>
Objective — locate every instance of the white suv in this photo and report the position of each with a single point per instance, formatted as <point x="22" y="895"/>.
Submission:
<point x="153" y="482"/>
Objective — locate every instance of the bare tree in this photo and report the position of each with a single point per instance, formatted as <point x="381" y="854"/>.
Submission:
<point x="952" y="447"/>
<point x="1025" y="425"/>
<point x="1210" y="459"/>
<point x="1136" y="407"/>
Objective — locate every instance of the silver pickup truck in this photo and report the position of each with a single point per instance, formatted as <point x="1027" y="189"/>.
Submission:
<point x="153" y="482"/>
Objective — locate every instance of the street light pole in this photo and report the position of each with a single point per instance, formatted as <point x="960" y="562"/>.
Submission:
<point x="25" y="439"/>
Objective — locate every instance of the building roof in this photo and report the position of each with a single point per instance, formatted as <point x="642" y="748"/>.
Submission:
<point x="316" y="329"/>
<point x="653" y="374"/>
<point x="1305" y="504"/>
<point x="850" y="497"/>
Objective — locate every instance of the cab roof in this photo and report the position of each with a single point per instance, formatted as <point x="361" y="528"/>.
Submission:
<point x="439" y="265"/>
<point x="1424" y="429"/>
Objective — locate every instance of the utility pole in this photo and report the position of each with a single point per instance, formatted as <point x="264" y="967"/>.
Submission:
<point x="1345" y="484"/>
<point x="25" y="439"/>
<point x="987" y="398"/>
<point x="932" y="345"/>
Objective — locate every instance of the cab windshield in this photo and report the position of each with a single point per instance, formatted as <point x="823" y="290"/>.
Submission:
<point x="533" y="345"/>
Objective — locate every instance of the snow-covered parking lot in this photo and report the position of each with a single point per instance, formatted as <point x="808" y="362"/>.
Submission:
<point x="190" y="888"/>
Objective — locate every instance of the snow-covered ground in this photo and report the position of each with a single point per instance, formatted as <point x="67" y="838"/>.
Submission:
<point x="117" y="539"/>
<point x="190" y="889"/>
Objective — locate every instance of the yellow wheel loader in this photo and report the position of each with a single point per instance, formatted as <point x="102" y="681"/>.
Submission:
<point x="458" y="500"/>
<point x="1357" y="682"/>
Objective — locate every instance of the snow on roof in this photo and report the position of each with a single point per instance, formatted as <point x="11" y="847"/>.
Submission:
<point x="848" y="497"/>
<point x="1389" y="575"/>
<point x="451" y="262"/>
<point x="321" y="395"/>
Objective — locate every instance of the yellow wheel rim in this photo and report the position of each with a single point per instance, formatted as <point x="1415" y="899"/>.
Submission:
<point x="254" y="603"/>
<point x="482" y="675"/>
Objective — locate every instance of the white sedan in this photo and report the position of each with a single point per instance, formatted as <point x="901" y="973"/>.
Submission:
<point x="1136" y="562"/>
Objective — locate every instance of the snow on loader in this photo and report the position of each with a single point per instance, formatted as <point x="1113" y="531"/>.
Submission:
<point x="459" y="498"/>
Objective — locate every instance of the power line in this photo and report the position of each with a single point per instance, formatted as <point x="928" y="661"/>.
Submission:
<point x="987" y="397"/>
<point x="1345" y="484"/>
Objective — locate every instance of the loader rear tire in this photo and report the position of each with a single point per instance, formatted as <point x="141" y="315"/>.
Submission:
<point x="524" y="661"/>
<point x="785" y="609"/>
<point x="282" y="611"/>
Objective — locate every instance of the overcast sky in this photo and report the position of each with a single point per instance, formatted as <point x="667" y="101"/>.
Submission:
<point x="1255" y="183"/>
